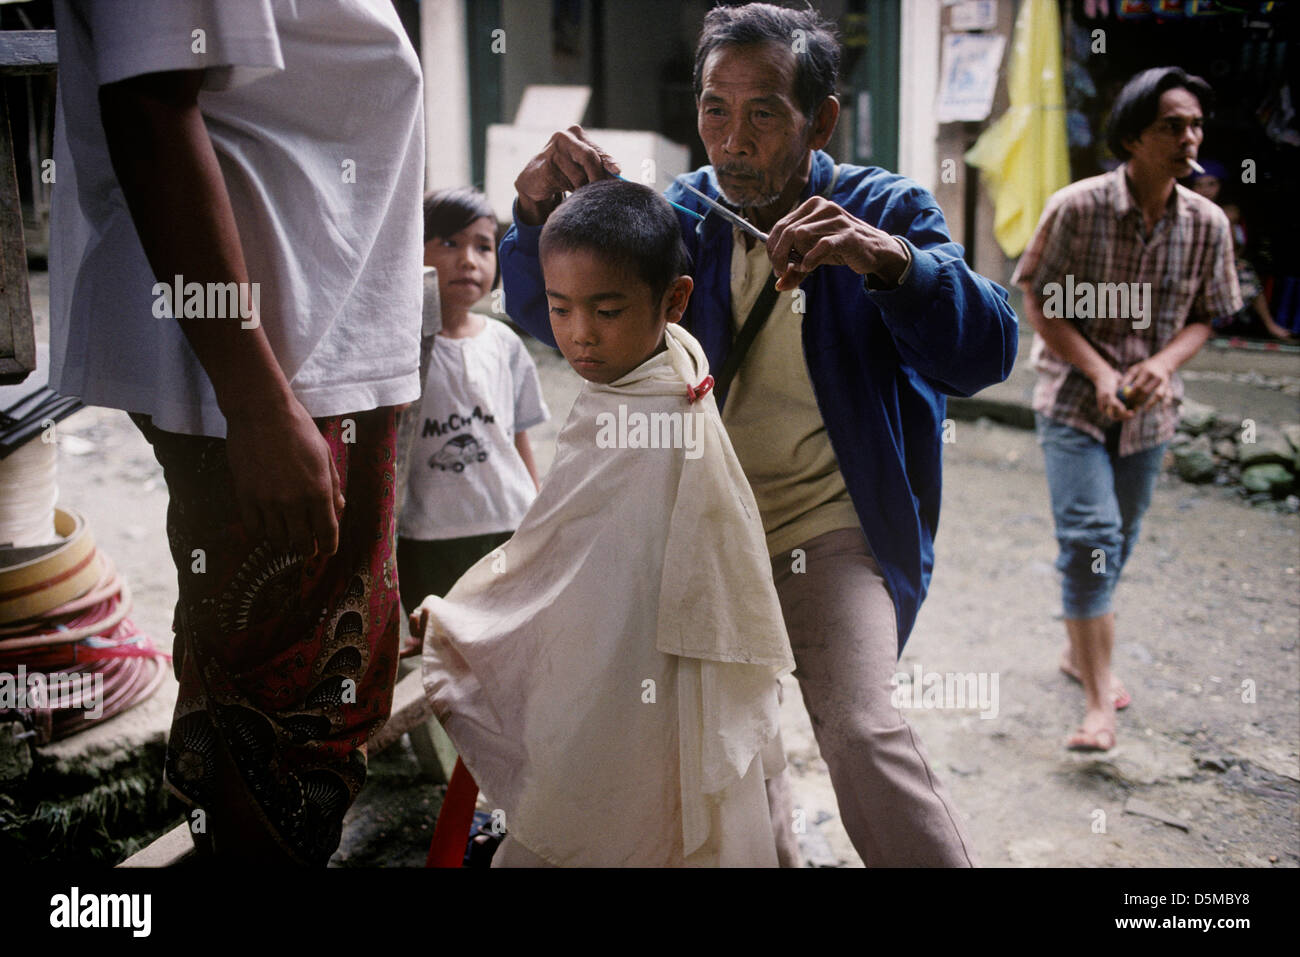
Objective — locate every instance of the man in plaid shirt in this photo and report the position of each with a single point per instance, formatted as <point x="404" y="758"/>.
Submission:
<point x="1122" y="279"/>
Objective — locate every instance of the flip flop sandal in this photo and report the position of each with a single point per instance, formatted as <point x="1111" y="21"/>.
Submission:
<point x="1103" y="740"/>
<point x="1122" y="700"/>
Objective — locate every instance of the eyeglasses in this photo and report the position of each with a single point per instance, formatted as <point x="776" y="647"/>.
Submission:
<point x="1174" y="125"/>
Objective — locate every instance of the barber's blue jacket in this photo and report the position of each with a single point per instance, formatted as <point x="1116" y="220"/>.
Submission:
<point x="880" y="361"/>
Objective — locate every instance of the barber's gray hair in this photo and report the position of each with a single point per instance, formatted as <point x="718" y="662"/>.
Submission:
<point x="809" y="37"/>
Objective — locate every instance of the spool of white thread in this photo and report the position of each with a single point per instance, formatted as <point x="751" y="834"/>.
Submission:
<point x="28" y="491"/>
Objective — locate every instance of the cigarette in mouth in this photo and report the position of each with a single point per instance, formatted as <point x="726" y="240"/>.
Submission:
<point x="1196" y="167"/>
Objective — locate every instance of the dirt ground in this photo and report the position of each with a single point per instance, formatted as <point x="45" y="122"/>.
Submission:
<point x="1209" y="616"/>
<point x="1209" y="608"/>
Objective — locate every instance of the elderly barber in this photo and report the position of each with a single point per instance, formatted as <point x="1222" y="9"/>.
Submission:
<point x="844" y="332"/>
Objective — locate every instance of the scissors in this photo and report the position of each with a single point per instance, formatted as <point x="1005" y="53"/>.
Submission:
<point x="729" y="216"/>
<point x="739" y="221"/>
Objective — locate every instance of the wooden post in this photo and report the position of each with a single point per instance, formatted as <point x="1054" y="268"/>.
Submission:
<point x="21" y="52"/>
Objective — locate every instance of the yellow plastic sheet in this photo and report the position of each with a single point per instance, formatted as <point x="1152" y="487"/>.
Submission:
<point x="1023" y="155"/>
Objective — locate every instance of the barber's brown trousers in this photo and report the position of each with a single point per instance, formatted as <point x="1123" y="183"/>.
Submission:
<point x="844" y="635"/>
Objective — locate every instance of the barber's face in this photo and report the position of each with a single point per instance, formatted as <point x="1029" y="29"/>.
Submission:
<point x="756" y="137"/>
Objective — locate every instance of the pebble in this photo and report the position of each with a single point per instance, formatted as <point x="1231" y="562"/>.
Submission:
<point x="1196" y="417"/>
<point x="816" y="850"/>
<point x="1139" y="652"/>
<point x="1213" y="762"/>
<point x="1266" y="478"/>
<point x="1194" y="462"/>
<point x="1270" y="445"/>
<point x="1146" y="809"/>
<point x="1292" y="432"/>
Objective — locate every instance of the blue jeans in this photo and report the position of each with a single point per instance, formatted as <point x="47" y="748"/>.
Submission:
<point x="1098" y="500"/>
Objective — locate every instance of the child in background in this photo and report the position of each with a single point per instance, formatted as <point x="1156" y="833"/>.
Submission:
<point x="1256" y="318"/>
<point x="472" y="475"/>
<point x="609" y="677"/>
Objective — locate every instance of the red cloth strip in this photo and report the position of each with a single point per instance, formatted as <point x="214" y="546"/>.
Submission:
<point x="455" y="818"/>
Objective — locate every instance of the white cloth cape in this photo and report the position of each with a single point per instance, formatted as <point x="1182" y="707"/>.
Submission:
<point x="609" y="676"/>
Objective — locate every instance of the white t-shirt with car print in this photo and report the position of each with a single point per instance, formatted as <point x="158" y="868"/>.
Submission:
<point x="467" y="477"/>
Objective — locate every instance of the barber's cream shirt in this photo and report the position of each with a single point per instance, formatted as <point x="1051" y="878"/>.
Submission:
<point x="772" y="418"/>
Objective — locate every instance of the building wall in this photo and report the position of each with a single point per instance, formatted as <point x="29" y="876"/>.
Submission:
<point x="446" y="93"/>
<point x="919" y="84"/>
<point x="640" y="40"/>
<point x="647" y="52"/>
<point x="952" y="142"/>
<point x="648" y="49"/>
<point x="530" y="56"/>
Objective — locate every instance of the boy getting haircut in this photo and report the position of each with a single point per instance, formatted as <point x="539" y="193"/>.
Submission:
<point x="628" y="225"/>
<point x="609" y="675"/>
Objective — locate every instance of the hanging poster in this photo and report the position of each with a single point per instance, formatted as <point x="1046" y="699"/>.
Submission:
<point x="970" y="76"/>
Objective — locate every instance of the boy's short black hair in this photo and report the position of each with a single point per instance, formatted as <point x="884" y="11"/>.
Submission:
<point x="1138" y="103"/>
<point x="448" y="211"/>
<point x="625" y="224"/>
<point x="817" y="57"/>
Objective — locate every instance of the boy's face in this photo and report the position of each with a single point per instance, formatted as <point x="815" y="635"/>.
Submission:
<point x="466" y="263"/>
<point x="604" y="319"/>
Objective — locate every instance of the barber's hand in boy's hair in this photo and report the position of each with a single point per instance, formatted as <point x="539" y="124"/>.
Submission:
<point x="569" y="160"/>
